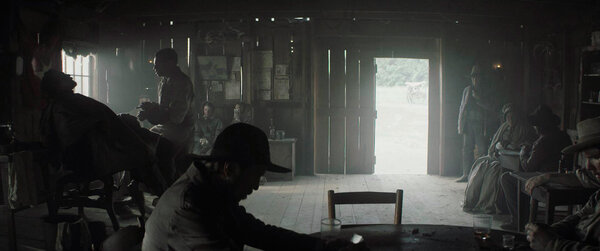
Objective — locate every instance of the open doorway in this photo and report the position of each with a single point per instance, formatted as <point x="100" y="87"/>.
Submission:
<point x="402" y="94"/>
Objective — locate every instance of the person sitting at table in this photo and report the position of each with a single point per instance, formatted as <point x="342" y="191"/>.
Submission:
<point x="207" y="129"/>
<point x="483" y="191"/>
<point x="89" y="140"/>
<point x="543" y="156"/>
<point x="580" y="231"/>
<point x="201" y="210"/>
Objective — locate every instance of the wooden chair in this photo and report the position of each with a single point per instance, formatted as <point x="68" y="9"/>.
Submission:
<point x="70" y="190"/>
<point x="334" y="198"/>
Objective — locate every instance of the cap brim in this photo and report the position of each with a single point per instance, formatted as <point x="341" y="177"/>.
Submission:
<point x="588" y="143"/>
<point x="277" y="169"/>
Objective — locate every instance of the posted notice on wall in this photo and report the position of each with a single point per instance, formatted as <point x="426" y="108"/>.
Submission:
<point x="265" y="94"/>
<point x="263" y="76"/>
<point x="281" y="87"/>
<point x="233" y="86"/>
<point x="281" y="70"/>
<point x="263" y="59"/>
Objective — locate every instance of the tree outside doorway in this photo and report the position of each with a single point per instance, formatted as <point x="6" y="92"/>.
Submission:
<point x="402" y="115"/>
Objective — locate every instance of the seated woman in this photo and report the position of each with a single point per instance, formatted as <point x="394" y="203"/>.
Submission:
<point x="88" y="139"/>
<point x="543" y="156"/>
<point x="483" y="188"/>
<point x="207" y="128"/>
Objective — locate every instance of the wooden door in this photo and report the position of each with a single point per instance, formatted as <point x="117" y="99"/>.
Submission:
<point x="344" y="108"/>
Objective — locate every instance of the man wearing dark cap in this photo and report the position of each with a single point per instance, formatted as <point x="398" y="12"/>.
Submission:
<point x="543" y="156"/>
<point x="580" y="231"/>
<point x="201" y="210"/>
<point x="173" y="115"/>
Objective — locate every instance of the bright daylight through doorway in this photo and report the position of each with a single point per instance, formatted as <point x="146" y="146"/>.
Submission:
<point x="402" y="112"/>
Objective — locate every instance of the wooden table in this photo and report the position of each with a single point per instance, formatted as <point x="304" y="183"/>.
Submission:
<point x="428" y="237"/>
<point x="283" y="153"/>
<point x="551" y="194"/>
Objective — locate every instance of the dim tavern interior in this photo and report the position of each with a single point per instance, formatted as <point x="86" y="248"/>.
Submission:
<point x="308" y="69"/>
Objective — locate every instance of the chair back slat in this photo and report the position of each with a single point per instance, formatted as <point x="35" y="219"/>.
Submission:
<point x="366" y="198"/>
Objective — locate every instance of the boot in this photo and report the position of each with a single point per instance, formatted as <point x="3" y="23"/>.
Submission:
<point x="464" y="177"/>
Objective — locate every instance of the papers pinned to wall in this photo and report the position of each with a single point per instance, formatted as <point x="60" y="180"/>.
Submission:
<point x="236" y="64"/>
<point x="263" y="76"/>
<point x="216" y="86"/>
<point x="233" y="86"/>
<point x="281" y="70"/>
<point x="212" y="67"/>
<point x="281" y="87"/>
<point x="265" y="94"/>
<point x="263" y="59"/>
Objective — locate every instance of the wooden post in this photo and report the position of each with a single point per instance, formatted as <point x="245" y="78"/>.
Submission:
<point x="337" y="127"/>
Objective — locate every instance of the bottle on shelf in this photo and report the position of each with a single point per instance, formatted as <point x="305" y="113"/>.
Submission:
<point x="271" y="130"/>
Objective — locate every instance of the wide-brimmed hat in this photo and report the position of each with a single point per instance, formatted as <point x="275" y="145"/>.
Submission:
<point x="589" y="136"/>
<point x="543" y="116"/>
<point x="245" y="144"/>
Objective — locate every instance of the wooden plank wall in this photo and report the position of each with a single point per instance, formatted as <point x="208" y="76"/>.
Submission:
<point x="349" y="93"/>
<point x="367" y="112"/>
<point x="344" y="108"/>
<point x="321" y="108"/>
<point x="337" y="118"/>
<point x="353" y="159"/>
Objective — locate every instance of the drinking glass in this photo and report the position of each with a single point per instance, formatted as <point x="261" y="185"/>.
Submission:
<point x="508" y="241"/>
<point x="280" y="134"/>
<point x="482" y="223"/>
<point x="330" y="228"/>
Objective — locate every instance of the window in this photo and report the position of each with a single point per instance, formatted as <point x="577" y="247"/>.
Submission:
<point x="80" y="70"/>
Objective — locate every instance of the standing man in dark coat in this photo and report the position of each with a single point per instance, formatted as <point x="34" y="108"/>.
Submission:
<point x="173" y="115"/>
<point x="474" y="109"/>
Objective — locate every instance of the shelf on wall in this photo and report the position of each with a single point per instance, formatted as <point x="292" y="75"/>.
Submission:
<point x="591" y="48"/>
<point x="592" y="75"/>
<point x="590" y="103"/>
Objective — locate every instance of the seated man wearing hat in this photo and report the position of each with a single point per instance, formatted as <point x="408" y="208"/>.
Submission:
<point x="201" y="210"/>
<point x="542" y="156"/>
<point x="580" y="231"/>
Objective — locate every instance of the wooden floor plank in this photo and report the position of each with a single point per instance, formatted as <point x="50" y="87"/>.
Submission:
<point x="300" y="204"/>
<point x="293" y="208"/>
<point x="318" y="206"/>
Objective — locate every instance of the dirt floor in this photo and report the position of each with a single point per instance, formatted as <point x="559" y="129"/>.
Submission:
<point x="401" y="133"/>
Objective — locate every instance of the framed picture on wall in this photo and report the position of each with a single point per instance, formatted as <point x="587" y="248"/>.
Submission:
<point x="212" y="67"/>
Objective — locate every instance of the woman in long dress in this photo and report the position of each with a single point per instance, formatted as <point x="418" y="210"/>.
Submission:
<point x="483" y="187"/>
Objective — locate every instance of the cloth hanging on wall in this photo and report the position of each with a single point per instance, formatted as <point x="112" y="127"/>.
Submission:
<point x="24" y="181"/>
